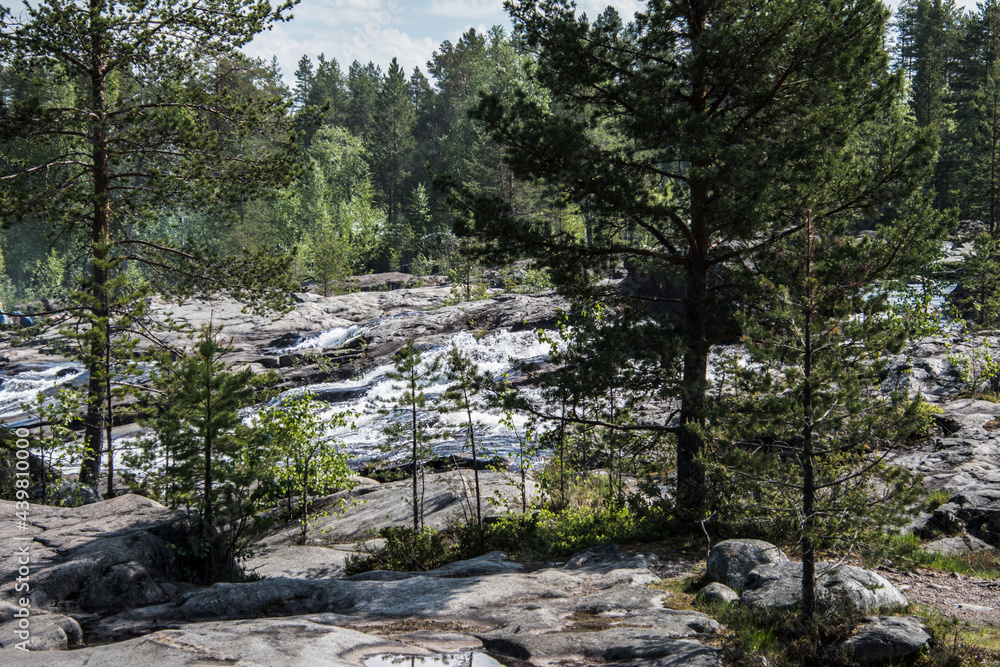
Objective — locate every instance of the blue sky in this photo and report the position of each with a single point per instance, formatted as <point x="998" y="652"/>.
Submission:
<point x="378" y="30"/>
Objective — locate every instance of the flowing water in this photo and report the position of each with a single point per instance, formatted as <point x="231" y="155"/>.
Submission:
<point x="373" y="398"/>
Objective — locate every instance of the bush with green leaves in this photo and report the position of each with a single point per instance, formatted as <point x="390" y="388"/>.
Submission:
<point x="978" y="368"/>
<point x="57" y="446"/>
<point x="292" y="436"/>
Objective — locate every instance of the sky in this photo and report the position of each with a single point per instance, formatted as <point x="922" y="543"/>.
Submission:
<point x="409" y="30"/>
<point x="379" y="30"/>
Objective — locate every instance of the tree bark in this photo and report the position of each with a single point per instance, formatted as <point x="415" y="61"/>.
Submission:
<point x="808" y="480"/>
<point x="100" y="228"/>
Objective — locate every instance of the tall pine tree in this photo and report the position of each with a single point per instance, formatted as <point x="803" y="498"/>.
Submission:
<point x="692" y="136"/>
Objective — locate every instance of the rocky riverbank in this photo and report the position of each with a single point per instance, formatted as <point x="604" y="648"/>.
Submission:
<point x="106" y="590"/>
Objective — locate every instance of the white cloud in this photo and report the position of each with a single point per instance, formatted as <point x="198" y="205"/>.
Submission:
<point x="383" y="45"/>
<point x="466" y="9"/>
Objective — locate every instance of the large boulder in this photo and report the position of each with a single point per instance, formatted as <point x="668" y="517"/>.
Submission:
<point x="884" y="639"/>
<point x="731" y="562"/>
<point x="780" y="585"/>
<point x="101" y="557"/>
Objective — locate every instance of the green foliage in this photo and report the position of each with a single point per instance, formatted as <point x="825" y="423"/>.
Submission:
<point x="105" y="89"/>
<point x="978" y="293"/>
<point x="781" y="637"/>
<point x="657" y="143"/>
<point x="809" y="419"/>
<point x="405" y="550"/>
<point x="907" y="551"/>
<point x="534" y="536"/>
<point x="207" y="465"/>
<point x="292" y="435"/>
<point x="415" y="376"/>
<point x="58" y="446"/>
<point x="923" y="421"/>
<point x="978" y="369"/>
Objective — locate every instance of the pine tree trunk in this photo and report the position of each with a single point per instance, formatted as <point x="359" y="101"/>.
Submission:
<point x="413" y="426"/>
<point x="100" y="228"/>
<point x="690" y="475"/>
<point x="808" y="479"/>
<point x="475" y="462"/>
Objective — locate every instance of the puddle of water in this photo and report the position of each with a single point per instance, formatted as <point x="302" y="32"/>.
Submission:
<point x="468" y="659"/>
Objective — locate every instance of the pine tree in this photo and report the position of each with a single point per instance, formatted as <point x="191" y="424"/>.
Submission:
<point x="809" y="412"/>
<point x="198" y="422"/>
<point x="415" y="375"/>
<point x="467" y="384"/>
<point x="690" y="138"/>
<point x="138" y="78"/>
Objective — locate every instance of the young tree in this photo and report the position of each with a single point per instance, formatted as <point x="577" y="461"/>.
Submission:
<point x="147" y="120"/>
<point x="467" y="383"/>
<point x="689" y="139"/>
<point x="198" y="421"/>
<point x="415" y="375"/>
<point x="809" y="397"/>
<point x="304" y="459"/>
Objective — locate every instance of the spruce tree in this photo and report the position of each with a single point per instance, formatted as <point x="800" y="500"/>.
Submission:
<point x="391" y="145"/>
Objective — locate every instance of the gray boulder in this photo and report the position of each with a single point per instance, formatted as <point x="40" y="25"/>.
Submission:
<point x="780" y="585"/>
<point x="105" y="556"/>
<point x="731" y="562"/>
<point x="961" y="545"/>
<point x="718" y="593"/>
<point x="887" y="638"/>
<point x="46" y="632"/>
